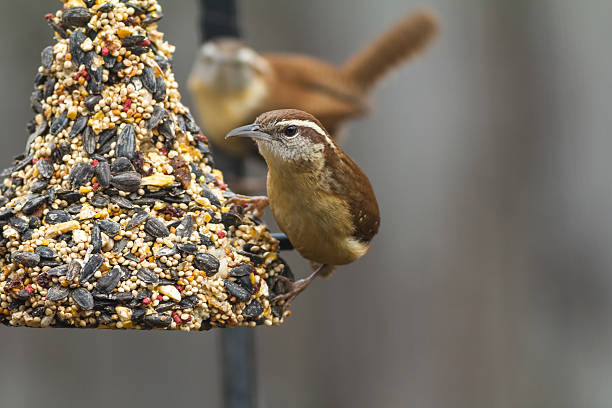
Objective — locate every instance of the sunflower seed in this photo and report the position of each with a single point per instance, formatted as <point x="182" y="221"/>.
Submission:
<point x="94" y="85"/>
<point x="109" y="281"/>
<point x="109" y="62"/>
<point x="120" y="245"/>
<point x="165" y="306"/>
<point x="74" y="269"/>
<point x="236" y="290"/>
<point x="33" y="204"/>
<point x="57" y="293"/>
<point x="210" y="195"/>
<point x="45" y="252"/>
<point x="204" y="240"/>
<point x="147" y="276"/>
<point x="253" y="309"/>
<point x="106" y="136"/>
<point x="89" y="140"/>
<point x="69" y="195"/>
<point x="91" y="267"/>
<point x="156" y="228"/>
<point x="137" y="10"/>
<point x="74" y="209"/>
<point x="83" y="298"/>
<point x="185" y="228"/>
<point x="137" y="49"/>
<point x="241" y="270"/>
<point x="159" y="320"/>
<point x="166" y="130"/>
<point x="96" y="239"/>
<point x="122" y="202"/>
<point x="109" y="227"/>
<point x="187" y="248"/>
<point x="207" y="263"/>
<point x="92" y="101"/>
<point x="45" y="168"/>
<point x="106" y="7"/>
<point x="126" y="143"/>
<point x="59" y="123"/>
<point x="81" y="174"/>
<point x="39" y="185"/>
<point x="157" y="115"/>
<point x="197" y="172"/>
<point x="76" y="17"/>
<point x="58" y="29"/>
<point x="165" y="251"/>
<point x="78" y="126"/>
<point x="152" y="17"/>
<point x="58" y="270"/>
<point x="29" y="259"/>
<point x="230" y="219"/>
<point x="189" y="302"/>
<point x="46" y="57"/>
<point x="121" y="165"/>
<point x="162" y="62"/>
<point x="160" y="93"/>
<point x="148" y="79"/>
<point x="57" y="217"/>
<point x="99" y="201"/>
<point x="191" y="124"/>
<point x="103" y="174"/>
<point x="49" y="87"/>
<point x="137" y="219"/>
<point x="76" y="39"/>
<point x="6" y="214"/>
<point x="36" y="101"/>
<point x="128" y="181"/>
<point x="19" y="224"/>
<point x="132" y="40"/>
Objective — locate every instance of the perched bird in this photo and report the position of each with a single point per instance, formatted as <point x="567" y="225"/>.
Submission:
<point x="319" y="197"/>
<point x="232" y="84"/>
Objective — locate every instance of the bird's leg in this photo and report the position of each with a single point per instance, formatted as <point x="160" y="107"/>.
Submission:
<point x="295" y="288"/>
<point x="256" y="204"/>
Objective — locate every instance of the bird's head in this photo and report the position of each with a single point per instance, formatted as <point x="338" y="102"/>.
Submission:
<point x="288" y="136"/>
<point x="228" y="64"/>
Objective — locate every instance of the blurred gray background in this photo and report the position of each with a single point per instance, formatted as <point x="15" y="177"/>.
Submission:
<point x="490" y="283"/>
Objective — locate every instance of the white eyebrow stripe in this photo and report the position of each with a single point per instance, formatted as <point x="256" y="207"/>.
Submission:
<point x="305" y="123"/>
<point x="308" y="124"/>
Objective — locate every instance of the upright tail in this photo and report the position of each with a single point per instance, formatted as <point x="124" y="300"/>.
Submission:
<point x="407" y="38"/>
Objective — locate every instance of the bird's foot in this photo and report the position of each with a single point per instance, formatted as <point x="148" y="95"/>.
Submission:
<point x="295" y="288"/>
<point x="254" y="204"/>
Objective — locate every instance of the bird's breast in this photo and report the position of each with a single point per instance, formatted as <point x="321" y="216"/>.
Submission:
<point x="317" y="222"/>
<point x="223" y="110"/>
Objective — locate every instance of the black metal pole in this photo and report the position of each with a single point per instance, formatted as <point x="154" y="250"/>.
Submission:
<point x="238" y="357"/>
<point x="219" y="19"/>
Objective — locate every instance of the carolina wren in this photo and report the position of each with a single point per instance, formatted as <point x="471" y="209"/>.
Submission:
<point x="319" y="197"/>
<point x="232" y="84"/>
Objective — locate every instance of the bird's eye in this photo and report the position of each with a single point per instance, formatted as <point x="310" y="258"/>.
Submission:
<point x="291" y="131"/>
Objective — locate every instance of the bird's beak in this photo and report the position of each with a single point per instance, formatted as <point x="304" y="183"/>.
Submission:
<point x="251" y="131"/>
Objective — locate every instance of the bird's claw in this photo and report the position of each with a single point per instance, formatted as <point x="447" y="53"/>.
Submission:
<point x="254" y="204"/>
<point x="293" y="289"/>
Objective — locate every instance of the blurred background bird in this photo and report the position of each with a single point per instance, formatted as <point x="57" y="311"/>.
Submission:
<point x="231" y="84"/>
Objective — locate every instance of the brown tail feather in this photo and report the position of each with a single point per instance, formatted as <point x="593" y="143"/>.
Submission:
<point x="408" y="37"/>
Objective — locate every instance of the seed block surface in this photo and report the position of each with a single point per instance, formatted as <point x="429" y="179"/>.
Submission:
<point x="114" y="216"/>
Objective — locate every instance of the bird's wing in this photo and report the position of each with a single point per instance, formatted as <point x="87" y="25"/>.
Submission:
<point x="316" y="87"/>
<point x="361" y="199"/>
